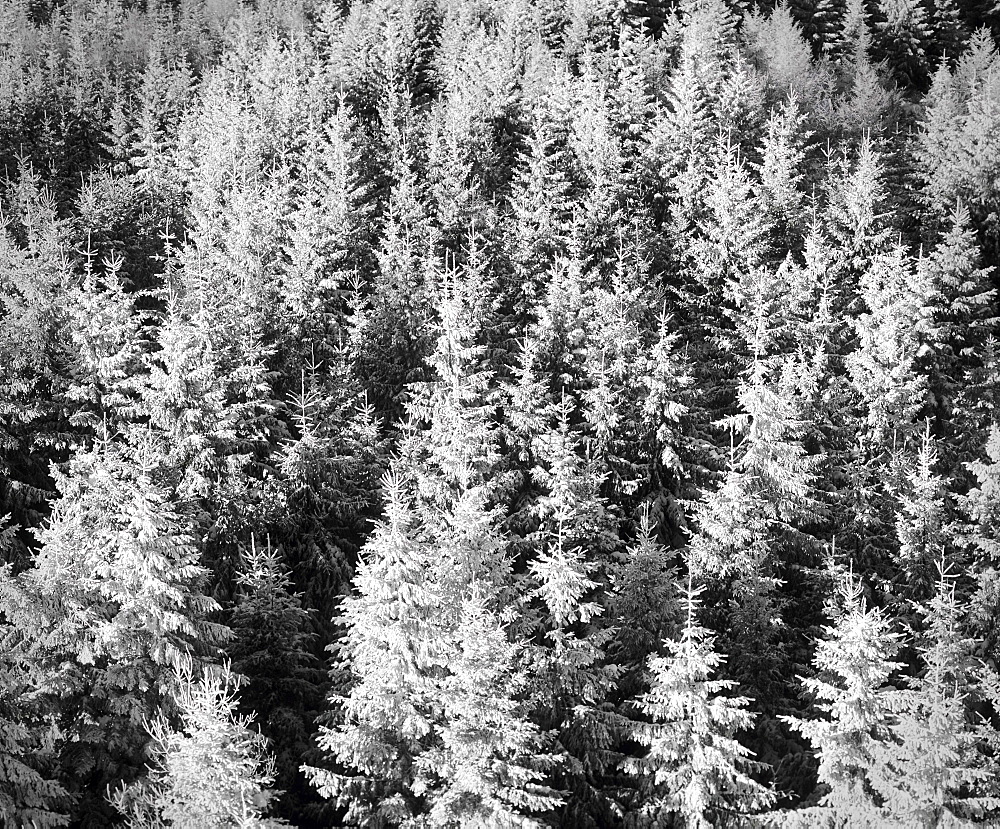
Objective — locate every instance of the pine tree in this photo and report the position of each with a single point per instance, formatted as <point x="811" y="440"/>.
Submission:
<point x="982" y="538"/>
<point x="104" y="333"/>
<point x="959" y="324"/>
<point x="571" y="684"/>
<point x="113" y="600"/>
<point x="214" y="770"/>
<point x="920" y="523"/>
<point x="854" y="662"/>
<point x="697" y="772"/>
<point x="271" y="648"/>
<point x="29" y="794"/>
<point x="903" y="35"/>
<point x="930" y="771"/>
<point x="426" y="614"/>
<point x="644" y="602"/>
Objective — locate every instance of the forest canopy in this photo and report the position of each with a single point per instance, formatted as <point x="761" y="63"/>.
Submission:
<point x="499" y="413"/>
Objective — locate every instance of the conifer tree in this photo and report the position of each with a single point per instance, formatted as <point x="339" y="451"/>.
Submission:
<point x="271" y="648"/>
<point x="883" y="369"/>
<point x="644" y="601"/>
<point x="104" y="333"/>
<point x="903" y="34"/>
<point x="392" y="332"/>
<point x="931" y="771"/>
<point x="571" y="683"/>
<point x="958" y="326"/>
<point x="35" y="267"/>
<point x="113" y="601"/>
<point x="982" y="535"/>
<point x="541" y="207"/>
<point x="696" y="770"/>
<point x="327" y="484"/>
<point x="29" y="794"/>
<point x="426" y="618"/>
<point x="920" y="523"/>
<point x="392" y="650"/>
<point x="213" y="771"/>
<point x="853" y="663"/>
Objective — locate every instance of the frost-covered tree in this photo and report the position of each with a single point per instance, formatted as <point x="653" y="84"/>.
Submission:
<point x="210" y="768"/>
<point x="930" y="771"/>
<point x="695" y="772"/>
<point x="982" y="535"/>
<point x="956" y="331"/>
<point x="106" y="348"/>
<point x="427" y="616"/>
<point x="853" y="663"/>
<point x="272" y="649"/>
<point x="114" y="599"/>
<point x="30" y="796"/>
<point x="920" y="523"/>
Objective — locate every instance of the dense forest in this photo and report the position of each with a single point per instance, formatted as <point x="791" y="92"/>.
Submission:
<point x="499" y="413"/>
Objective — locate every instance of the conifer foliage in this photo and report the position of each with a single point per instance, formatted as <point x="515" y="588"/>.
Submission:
<point x="576" y="414"/>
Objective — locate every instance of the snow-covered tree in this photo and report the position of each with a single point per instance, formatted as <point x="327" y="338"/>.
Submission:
<point x="696" y="772"/>
<point x="930" y="771"/>
<point x="210" y="769"/>
<point x="112" y="603"/>
<point x="920" y="523"/>
<point x="855" y="703"/>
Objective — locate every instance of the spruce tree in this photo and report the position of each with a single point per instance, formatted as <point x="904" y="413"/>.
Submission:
<point x="695" y="770"/>
<point x="30" y="796"/>
<point x="930" y="771"/>
<point x="958" y="326"/>
<point x="426" y="617"/>
<point x="982" y="537"/>
<point x="853" y="664"/>
<point x="271" y="648"/>
<point x="902" y="37"/>
<point x="113" y="600"/>
<point x="571" y="682"/>
<point x="920" y="523"/>
<point x="214" y="770"/>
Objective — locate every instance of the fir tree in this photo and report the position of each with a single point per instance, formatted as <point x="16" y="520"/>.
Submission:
<point x="213" y="770"/>
<point x="920" y="523"/>
<point x="982" y="535"/>
<point x="104" y="332"/>
<point x="697" y="772"/>
<point x="420" y="626"/>
<point x="853" y="662"/>
<point x="29" y="794"/>
<point x="958" y="327"/>
<point x="271" y="649"/>
<point x="930" y="771"/>
<point x="903" y="34"/>
<point x="113" y="601"/>
<point x="571" y="684"/>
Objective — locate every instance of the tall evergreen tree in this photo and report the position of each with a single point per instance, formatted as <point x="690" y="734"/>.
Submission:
<point x="698" y="773"/>
<point x="114" y="599"/>
<point x="930" y="771"/>
<point x="212" y="771"/>
<point x="853" y="663"/>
